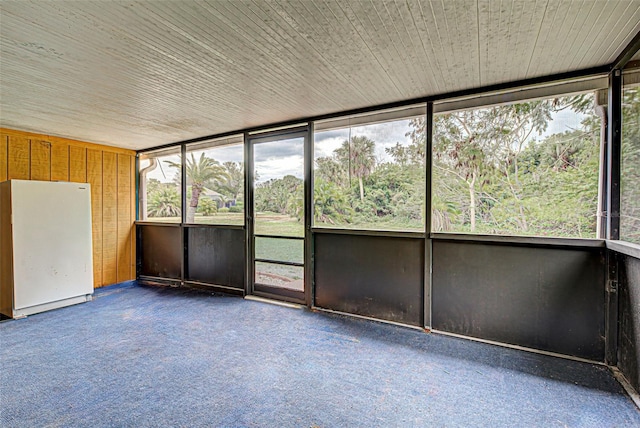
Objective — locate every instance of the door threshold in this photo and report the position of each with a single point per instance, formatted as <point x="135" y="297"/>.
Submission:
<point x="274" y="302"/>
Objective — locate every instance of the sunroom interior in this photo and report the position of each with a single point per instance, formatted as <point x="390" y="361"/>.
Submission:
<point x="469" y="169"/>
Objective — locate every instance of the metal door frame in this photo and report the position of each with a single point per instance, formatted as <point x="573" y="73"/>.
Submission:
<point x="251" y="139"/>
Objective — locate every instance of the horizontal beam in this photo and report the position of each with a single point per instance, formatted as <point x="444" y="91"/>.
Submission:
<point x="537" y="241"/>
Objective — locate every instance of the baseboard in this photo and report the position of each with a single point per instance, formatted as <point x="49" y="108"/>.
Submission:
<point x="620" y="377"/>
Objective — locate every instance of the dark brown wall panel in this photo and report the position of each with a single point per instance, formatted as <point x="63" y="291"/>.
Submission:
<point x="545" y="298"/>
<point x="160" y="251"/>
<point x="375" y="276"/>
<point x="216" y="256"/>
<point x="629" y="313"/>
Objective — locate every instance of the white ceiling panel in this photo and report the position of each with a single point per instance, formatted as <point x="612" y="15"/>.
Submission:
<point x="139" y="74"/>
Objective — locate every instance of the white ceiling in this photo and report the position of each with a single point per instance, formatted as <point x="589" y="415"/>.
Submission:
<point x="138" y="74"/>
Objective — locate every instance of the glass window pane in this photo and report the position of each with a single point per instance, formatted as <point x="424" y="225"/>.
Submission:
<point x="279" y="187"/>
<point x="529" y="168"/>
<point x="215" y="182"/>
<point x="282" y="250"/>
<point x="630" y="168"/>
<point x="369" y="171"/>
<point x="160" y="186"/>
<point x="290" y="277"/>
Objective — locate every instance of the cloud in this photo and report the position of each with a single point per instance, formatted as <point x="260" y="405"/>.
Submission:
<point x="385" y="135"/>
<point x="278" y="149"/>
<point x="224" y="154"/>
<point x="325" y="147"/>
<point x="279" y="167"/>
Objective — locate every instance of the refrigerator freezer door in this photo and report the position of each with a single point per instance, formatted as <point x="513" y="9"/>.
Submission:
<point x="52" y="242"/>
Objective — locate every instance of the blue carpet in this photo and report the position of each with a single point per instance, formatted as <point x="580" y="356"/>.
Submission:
<point x="141" y="356"/>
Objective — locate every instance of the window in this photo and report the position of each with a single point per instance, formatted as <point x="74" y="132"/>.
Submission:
<point x="527" y="168"/>
<point x="215" y="181"/>
<point x="160" y="186"/>
<point x="369" y="171"/>
<point x="630" y="168"/>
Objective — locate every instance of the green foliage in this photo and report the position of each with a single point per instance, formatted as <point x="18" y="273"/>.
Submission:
<point x="164" y="201"/>
<point x="493" y="173"/>
<point x="630" y="172"/>
<point x="232" y="186"/>
<point x="393" y="191"/>
<point x="235" y="209"/>
<point x="330" y="170"/>
<point x="223" y="210"/>
<point x="387" y="195"/>
<point x="207" y="207"/>
<point x="330" y="203"/>
<point x="281" y="195"/>
<point x="358" y="157"/>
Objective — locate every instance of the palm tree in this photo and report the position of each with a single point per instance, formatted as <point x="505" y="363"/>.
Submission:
<point x="359" y="155"/>
<point x="164" y="202"/>
<point x="200" y="173"/>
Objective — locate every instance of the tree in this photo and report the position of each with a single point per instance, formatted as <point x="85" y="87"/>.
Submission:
<point x="630" y="174"/>
<point x="497" y="170"/>
<point x="233" y="185"/>
<point x="483" y="145"/>
<point x="281" y="195"/>
<point x="328" y="168"/>
<point x="413" y="154"/>
<point x="207" y="207"/>
<point x="358" y="156"/>
<point x="164" y="202"/>
<point x="200" y="174"/>
<point x="330" y="203"/>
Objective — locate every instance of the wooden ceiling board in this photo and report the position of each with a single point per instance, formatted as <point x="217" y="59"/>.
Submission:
<point x="557" y="24"/>
<point x="139" y="74"/>
<point x="346" y="55"/>
<point x="628" y="25"/>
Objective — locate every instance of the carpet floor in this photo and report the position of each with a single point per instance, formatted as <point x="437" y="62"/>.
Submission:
<point x="142" y="356"/>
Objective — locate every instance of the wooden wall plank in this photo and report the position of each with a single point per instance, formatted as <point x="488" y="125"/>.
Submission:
<point x="3" y="157"/>
<point x="40" y="160"/>
<point x="59" y="162"/>
<point x="124" y="218"/>
<point x="77" y="164"/>
<point x="6" y="251"/>
<point x="18" y="158"/>
<point x="65" y="141"/>
<point x="94" y="177"/>
<point x="109" y="218"/>
<point x="134" y="272"/>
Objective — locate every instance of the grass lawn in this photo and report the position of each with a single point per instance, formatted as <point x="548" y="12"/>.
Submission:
<point x="282" y="225"/>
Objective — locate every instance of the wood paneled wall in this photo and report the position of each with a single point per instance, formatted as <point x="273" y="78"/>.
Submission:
<point x="111" y="173"/>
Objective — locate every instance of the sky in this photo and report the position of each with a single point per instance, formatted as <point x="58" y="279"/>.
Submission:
<point x="285" y="157"/>
<point x="165" y="173"/>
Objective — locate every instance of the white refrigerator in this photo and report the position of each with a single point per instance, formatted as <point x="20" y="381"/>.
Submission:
<point x="45" y="246"/>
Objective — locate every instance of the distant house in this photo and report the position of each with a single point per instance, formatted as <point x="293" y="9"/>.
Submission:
<point x="216" y="197"/>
